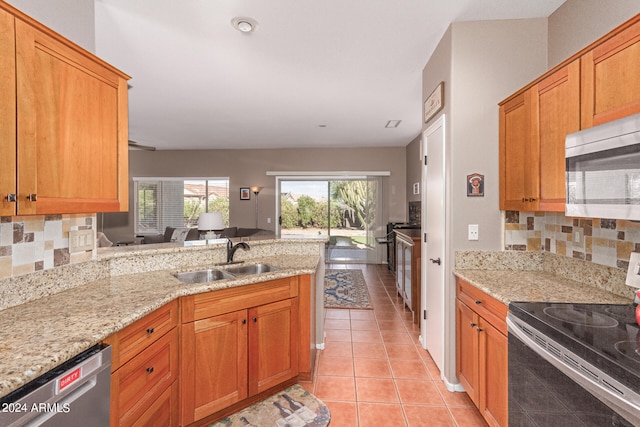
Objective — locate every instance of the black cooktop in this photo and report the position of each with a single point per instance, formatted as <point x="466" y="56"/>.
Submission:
<point x="607" y="336"/>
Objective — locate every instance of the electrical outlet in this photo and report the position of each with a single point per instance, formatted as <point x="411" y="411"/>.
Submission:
<point x="633" y="273"/>
<point x="473" y="231"/>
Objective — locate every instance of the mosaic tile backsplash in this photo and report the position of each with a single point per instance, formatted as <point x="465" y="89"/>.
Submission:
<point x="40" y="242"/>
<point x="606" y="242"/>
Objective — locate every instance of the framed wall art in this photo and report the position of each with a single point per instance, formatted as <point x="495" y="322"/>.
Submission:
<point x="475" y="185"/>
<point x="245" y="193"/>
<point x="434" y="102"/>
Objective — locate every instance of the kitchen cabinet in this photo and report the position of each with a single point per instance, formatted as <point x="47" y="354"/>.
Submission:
<point x="610" y="85"/>
<point x="533" y="126"/>
<point x="408" y="269"/>
<point x="236" y="344"/>
<point x="144" y="386"/>
<point x="481" y="351"/>
<point x="64" y="124"/>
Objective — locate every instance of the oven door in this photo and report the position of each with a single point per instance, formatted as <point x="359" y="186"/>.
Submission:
<point x="543" y="391"/>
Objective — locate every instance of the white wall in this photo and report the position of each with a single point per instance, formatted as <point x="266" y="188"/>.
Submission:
<point x="74" y="19"/>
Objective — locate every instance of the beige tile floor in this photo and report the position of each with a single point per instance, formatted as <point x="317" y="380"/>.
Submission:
<point x="373" y="372"/>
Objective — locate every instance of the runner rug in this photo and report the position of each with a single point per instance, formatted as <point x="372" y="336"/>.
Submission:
<point x="294" y="407"/>
<point x="345" y="289"/>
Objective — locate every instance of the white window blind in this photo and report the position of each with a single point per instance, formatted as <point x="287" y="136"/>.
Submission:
<point x="177" y="202"/>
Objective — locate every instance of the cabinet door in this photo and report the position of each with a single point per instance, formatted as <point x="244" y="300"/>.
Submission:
<point x="399" y="267"/>
<point x="467" y="350"/>
<point x="273" y="344"/>
<point x="610" y="81"/>
<point x="558" y="102"/>
<point x="493" y="375"/>
<point x="7" y="114"/>
<point x="71" y="128"/>
<point x="213" y="364"/>
<point x="519" y="155"/>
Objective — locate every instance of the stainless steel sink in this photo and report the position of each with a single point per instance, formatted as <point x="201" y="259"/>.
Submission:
<point x="251" y="269"/>
<point x="202" y="276"/>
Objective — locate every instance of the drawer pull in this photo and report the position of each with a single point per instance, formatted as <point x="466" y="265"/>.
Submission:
<point x="33" y="197"/>
<point x="11" y="198"/>
<point x="149" y="370"/>
<point x="244" y="321"/>
<point x="478" y="301"/>
<point x="479" y="329"/>
<point x="150" y="331"/>
<point x="255" y="320"/>
<point x="473" y="324"/>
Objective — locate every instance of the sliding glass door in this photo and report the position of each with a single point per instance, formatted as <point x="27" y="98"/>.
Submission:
<point x="344" y="209"/>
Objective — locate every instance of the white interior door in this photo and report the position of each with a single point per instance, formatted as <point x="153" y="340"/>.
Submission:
<point x="433" y="250"/>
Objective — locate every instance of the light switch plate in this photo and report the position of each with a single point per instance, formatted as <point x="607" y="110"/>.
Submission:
<point x="633" y="273"/>
<point x="80" y="240"/>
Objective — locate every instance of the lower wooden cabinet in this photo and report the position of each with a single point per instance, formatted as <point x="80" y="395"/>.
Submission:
<point x="206" y="353"/>
<point x="237" y="343"/>
<point x="481" y="353"/>
<point x="144" y="386"/>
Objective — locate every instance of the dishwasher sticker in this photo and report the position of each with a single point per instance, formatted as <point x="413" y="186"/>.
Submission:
<point x="68" y="379"/>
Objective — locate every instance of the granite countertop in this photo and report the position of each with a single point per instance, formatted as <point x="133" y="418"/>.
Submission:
<point x="536" y="286"/>
<point x="39" y="335"/>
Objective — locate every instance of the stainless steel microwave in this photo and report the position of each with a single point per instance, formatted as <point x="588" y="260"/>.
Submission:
<point x="603" y="170"/>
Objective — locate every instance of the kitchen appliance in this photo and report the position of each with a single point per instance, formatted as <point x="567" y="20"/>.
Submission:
<point x="390" y="241"/>
<point x="603" y="170"/>
<point x="573" y="364"/>
<point x="76" y="393"/>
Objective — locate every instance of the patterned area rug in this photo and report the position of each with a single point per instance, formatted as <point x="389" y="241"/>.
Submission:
<point x="292" y="407"/>
<point x="345" y="289"/>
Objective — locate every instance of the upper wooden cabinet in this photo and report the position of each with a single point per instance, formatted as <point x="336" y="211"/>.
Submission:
<point x="533" y="126"/>
<point x="67" y="135"/>
<point x="596" y="85"/>
<point x="610" y="78"/>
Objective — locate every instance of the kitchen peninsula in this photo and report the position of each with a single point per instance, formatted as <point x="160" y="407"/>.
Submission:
<point x="53" y="324"/>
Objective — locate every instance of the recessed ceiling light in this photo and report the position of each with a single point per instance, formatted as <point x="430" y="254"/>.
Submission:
<point x="244" y="25"/>
<point x="322" y="126"/>
<point x="393" y="123"/>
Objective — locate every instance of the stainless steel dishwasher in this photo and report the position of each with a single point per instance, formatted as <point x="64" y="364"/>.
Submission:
<point x="75" y="393"/>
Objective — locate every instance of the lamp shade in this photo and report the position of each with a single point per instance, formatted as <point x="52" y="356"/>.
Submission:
<point x="208" y="221"/>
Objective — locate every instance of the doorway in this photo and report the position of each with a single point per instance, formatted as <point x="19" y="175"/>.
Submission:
<point x="434" y="262"/>
<point x="346" y="210"/>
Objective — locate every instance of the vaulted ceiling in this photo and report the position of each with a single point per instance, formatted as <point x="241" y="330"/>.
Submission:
<point x="313" y="73"/>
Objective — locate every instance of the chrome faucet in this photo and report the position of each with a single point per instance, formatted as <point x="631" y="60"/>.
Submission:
<point x="231" y="249"/>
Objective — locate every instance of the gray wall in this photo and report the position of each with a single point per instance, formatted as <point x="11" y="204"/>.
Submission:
<point x="74" y="19"/>
<point x="414" y="168"/>
<point x="481" y="63"/>
<point x="247" y="168"/>
<point x="578" y="23"/>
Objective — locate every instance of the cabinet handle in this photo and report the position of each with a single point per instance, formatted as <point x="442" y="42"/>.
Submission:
<point x="244" y="321"/>
<point x="11" y="198"/>
<point x="255" y="320"/>
<point x="478" y="301"/>
<point x="479" y="329"/>
<point x="435" y="261"/>
<point x="33" y="197"/>
<point x="524" y="200"/>
<point x="472" y="324"/>
<point x="150" y="331"/>
<point x="533" y="199"/>
<point x="149" y="370"/>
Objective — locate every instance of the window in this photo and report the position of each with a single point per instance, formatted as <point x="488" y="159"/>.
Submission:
<point x="177" y="202"/>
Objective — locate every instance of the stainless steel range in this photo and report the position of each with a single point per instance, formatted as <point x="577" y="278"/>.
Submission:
<point x="573" y="364"/>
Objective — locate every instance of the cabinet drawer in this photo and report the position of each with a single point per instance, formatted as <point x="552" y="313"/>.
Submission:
<point x="141" y="381"/>
<point x="202" y="306"/>
<point x="139" y="335"/>
<point x="488" y="307"/>
<point x="163" y="412"/>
